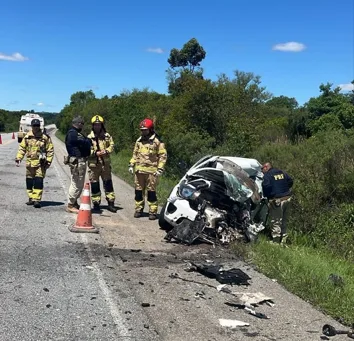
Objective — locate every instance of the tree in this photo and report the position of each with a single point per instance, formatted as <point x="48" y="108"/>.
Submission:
<point x="82" y="97"/>
<point x="331" y="103"/>
<point x="185" y="66"/>
<point x="327" y="122"/>
<point x="189" y="57"/>
<point x="289" y="103"/>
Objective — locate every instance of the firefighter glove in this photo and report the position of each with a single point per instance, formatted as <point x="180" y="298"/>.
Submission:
<point x="131" y="169"/>
<point x="158" y="172"/>
<point x="18" y="163"/>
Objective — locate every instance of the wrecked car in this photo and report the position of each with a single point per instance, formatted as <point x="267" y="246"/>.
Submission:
<point x="219" y="199"/>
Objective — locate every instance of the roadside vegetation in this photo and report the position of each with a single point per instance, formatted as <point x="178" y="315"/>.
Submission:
<point x="238" y="116"/>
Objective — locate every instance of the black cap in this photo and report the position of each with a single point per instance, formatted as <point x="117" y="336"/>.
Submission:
<point x="35" y="122"/>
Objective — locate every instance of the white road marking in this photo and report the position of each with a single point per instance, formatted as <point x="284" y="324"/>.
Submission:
<point x="116" y="316"/>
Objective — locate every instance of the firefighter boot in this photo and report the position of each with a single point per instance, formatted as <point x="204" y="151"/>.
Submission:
<point x="152" y="216"/>
<point x="96" y="206"/>
<point x="29" y="202"/>
<point x="111" y="207"/>
<point x="37" y="204"/>
<point x="137" y="214"/>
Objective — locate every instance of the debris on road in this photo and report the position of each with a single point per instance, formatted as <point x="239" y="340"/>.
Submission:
<point x="232" y="323"/>
<point x="175" y="275"/>
<point x="329" y="330"/>
<point x="231" y="276"/>
<point x="223" y="288"/>
<point x="253" y="298"/>
<point x="254" y="313"/>
<point x="200" y="294"/>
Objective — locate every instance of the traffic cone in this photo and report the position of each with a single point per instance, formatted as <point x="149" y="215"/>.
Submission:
<point x="0" y="140"/>
<point x="84" y="218"/>
<point x="13" y="136"/>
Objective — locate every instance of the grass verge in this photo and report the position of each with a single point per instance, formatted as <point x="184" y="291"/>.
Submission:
<point x="307" y="272"/>
<point x="60" y="135"/>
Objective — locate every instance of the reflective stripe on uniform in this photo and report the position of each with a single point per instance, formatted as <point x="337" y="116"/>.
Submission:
<point x="147" y="169"/>
<point x="162" y="151"/>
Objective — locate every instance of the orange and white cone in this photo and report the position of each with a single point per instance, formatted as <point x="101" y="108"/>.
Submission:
<point x="84" y="218"/>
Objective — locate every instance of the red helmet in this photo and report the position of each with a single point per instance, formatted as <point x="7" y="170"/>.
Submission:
<point x="147" y="123"/>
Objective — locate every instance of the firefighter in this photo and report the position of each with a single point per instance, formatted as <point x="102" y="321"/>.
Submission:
<point x="99" y="164"/>
<point x="147" y="164"/>
<point x="277" y="186"/>
<point x="39" y="152"/>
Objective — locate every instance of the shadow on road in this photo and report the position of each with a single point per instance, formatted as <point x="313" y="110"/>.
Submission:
<point x="103" y="208"/>
<point x="51" y="203"/>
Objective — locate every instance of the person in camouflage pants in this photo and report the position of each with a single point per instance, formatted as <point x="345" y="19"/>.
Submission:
<point x="147" y="164"/>
<point x="99" y="164"/>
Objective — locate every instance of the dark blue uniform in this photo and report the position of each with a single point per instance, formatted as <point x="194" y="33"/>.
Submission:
<point x="276" y="184"/>
<point x="77" y="145"/>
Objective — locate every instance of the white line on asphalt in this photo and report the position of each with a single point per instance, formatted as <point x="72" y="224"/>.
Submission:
<point x="117" y="317"/>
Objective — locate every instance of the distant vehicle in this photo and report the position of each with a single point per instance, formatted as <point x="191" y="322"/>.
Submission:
<point x="25" y="125"/>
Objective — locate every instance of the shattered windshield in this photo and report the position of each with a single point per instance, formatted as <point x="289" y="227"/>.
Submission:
<point x="235" y="189"/>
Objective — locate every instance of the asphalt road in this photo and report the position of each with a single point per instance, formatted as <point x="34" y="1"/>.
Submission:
<point x="54" y="284"/>
<point x="119" y="284"/>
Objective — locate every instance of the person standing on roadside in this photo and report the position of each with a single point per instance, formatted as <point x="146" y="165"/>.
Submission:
<point x="39" y="151"/>
<point x="147" y="164"/>
<point x="277" y="186"/>
<point x="78" y="147"/>
<point x="99" y="164"/>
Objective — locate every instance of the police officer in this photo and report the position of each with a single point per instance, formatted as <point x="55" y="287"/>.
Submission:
<point x="78" y="147"/>
<point x="277" y="186"/>
<point x="39" y="152"/>
<point x="99" y="164"/>
<point x="147" y="163"/>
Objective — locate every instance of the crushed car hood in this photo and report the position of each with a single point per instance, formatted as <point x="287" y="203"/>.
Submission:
<point x="235" y="181"/>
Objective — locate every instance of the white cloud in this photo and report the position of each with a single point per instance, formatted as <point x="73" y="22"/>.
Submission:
<point x="347" y="87"/>
<point x="291" y="46"/>
<point x="155" y="50"/>
<point x="40" y="104"/>
<point x="15" y="57"/>
<point x="92" y="87"/>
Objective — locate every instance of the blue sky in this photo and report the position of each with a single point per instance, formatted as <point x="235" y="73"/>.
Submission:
<point x="49" y="50"/>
